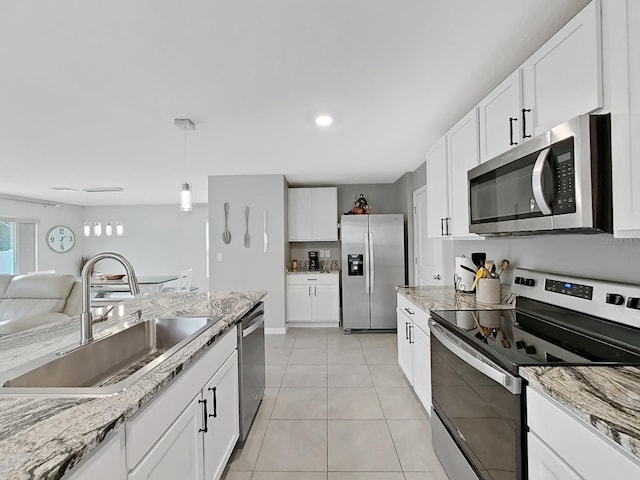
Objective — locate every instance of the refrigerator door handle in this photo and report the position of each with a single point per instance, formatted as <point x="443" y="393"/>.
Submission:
<point x="372" y="261"/>
<point x="367" y="286"/>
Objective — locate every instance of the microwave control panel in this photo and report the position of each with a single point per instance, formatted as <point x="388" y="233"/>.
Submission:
<point x="564" y="166"/>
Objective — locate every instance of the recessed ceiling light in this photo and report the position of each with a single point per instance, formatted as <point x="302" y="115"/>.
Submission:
<point x="324" y="120"/>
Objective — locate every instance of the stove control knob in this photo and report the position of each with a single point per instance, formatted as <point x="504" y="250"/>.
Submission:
<point x="529" y="282"/>
<point x="615" y="299"/>
<point x="519" y="280"/>
<point x="520" y="344"/>
<point x="530" y="349"/>
<point x="633" y="302"/>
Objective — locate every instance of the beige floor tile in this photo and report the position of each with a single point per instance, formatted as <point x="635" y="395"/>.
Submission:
<point x="277" y="355"/>
<point x="308" y="356"/>
<point x="387" y="376"/>
<point x="354" y="403"/>
<point x="343" y="341"/>
<point x="279" y="341"/>
<point x="301" y="403"/>
<point x="366" y="476"/>
<point x="349" y="376"/>
<point x="399" y="403"/>
<point x="381" y="355"/>
<point x="406" y="435"/>
<point x="273" y="375"/>
<point x="305" y="376"/>
<point x="294" y="445"/>
<point x="236" y="475"/>
<point x="345" y="356"/>
<point x="361" y="446"/>
<point x="426" y="476"/>
<point x="289" y="476"/>
<point x="310" y="341"/>
<point x="371" y="340"/>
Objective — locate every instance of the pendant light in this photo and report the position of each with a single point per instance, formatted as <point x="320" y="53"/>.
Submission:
<point x="185" y="193"/>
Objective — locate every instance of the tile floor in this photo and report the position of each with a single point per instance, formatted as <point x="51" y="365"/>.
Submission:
<point x="336" y="407"/>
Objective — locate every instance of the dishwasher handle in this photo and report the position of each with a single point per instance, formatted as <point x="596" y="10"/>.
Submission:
<point x="252" y="327"/>
<point x="476" y="359"/>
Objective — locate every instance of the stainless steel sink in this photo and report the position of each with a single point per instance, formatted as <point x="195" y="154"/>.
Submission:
<point x="107" y="365"/>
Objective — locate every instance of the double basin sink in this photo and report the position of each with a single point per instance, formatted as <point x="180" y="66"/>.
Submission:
<point x="108" y="365"/>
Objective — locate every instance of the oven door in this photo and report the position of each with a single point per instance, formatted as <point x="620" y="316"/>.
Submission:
<point x="479" y="405"/>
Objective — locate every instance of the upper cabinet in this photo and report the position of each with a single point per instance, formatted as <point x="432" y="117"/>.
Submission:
<point x="621" y="46"/>
<point x="499" y="118"/>
<point x="313" y="214"/>
<point x="448" y="162"/>
<point x="562" y="80"/>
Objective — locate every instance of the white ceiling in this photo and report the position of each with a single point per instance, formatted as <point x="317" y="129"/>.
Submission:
<point x="89" y="89"/>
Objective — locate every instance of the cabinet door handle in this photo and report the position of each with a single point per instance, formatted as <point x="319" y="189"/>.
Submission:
<point x="315" y="291"/>
<point x="511" y="120"/>
<point x="309" y="292"/>
<point x="442" y="227"/>
<point x="406" y="330"/>
<point x="448" y="220"/>
<point x="524" y="123"/>
<point x="205" y="416"/>
<point x="408" y="311"/>
<point x="410" y="335"/>
<point x="215" y="402"/>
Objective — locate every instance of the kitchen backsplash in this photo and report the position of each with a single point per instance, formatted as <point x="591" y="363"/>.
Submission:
<point x="300" y="250"/>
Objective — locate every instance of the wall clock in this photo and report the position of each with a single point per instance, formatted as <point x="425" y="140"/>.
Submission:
<point x="61" y="239"/>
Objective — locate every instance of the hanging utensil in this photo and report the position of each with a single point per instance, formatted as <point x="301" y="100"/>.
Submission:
<point x="247" y="237"/>
<point x="266" y="237"/>
<point x="226" y="235"/>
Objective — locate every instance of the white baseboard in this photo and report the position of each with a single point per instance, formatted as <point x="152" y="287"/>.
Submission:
<point x="275" y="331"/>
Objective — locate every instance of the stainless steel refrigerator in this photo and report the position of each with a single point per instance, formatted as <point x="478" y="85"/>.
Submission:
<point x="372" y="265"/>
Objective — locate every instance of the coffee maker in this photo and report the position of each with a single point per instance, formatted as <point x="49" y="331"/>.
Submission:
<point x="314" y="263"/>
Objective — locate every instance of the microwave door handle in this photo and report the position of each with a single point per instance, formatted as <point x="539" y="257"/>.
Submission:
<point x="511" y="383"/>
<point x="539" y="168"/>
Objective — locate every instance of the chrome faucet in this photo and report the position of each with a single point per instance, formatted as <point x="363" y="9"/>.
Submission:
<point x="86" y="317"/>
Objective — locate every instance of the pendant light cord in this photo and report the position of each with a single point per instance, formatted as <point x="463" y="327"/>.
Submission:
<point x="185" y="154"/>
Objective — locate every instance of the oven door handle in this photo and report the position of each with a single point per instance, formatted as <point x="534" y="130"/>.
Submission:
<point x="476" y="360"/>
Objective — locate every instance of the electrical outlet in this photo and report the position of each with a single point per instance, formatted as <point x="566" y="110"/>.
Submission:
<point x="327" y="253"/>
<point x="321" y="253"/>
<point x="219" y="257"/>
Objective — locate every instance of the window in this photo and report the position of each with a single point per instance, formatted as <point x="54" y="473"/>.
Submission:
<point x="17" y="246"/>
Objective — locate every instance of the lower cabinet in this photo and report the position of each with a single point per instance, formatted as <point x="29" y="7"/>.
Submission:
<point x="189" y="431"/>
<point x="313" y="299"/>
<point x="414" y="348"/>
<point x="564" y="448"/>
<point x="107" y="463"/>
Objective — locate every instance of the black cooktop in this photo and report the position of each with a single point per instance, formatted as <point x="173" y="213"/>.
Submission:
<point x="537" y="333"/>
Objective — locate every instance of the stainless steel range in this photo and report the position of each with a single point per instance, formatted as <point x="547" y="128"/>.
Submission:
<point x="479" y="405"/>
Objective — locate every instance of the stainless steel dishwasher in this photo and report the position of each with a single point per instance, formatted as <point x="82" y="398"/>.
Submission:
<point x="251" y="367"/>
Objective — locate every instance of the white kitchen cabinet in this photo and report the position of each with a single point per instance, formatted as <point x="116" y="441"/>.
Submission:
<point x="422" y="365"/>
<point x="463" y="155"/>
<point x="405" y="354"/>
<point x="223" y="426"/>
<point x="621" y="46"/>
<point x="313" y="299"/>
<point x="313" y="214"/>
<point x="190" y="430"/>
<point x="178" y="453"/>
<point x="437" y="190"/>
<point x="561" y="446"/>
<point x="107" y="463"/>
<point x="414" y="348"/>
<point x="499" y="117"/>
<point x="563" y="78"/>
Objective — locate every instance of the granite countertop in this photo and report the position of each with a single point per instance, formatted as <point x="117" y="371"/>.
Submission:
<point x="42" y="437"/>
<point x="446" y="298"/>
<point x="607" y="398"/>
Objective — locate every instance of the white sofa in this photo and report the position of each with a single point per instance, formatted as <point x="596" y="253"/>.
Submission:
<point x="28" y="301"/>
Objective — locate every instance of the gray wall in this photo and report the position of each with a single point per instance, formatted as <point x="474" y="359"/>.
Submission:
<point x="597" y="256"/>
<point x="249" y="268"/>
<point x="47" y="216"/>
<point x="381" y="197"/>
<point x="158" y="239"/>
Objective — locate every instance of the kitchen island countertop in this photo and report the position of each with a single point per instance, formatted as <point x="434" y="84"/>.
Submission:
<point x="446" y="298"/>
<point x="44" y="437"/>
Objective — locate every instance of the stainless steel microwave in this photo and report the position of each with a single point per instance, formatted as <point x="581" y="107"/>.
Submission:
<point x="559" y="181"/>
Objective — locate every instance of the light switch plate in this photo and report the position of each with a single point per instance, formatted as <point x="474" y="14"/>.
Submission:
<point x="219" y="257"/>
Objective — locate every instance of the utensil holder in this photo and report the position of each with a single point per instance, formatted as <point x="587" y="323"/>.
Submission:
<point x="488" y="290"/>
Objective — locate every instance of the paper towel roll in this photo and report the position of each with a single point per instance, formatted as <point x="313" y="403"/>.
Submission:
<point x="463" y="277"/>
